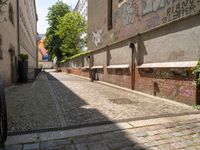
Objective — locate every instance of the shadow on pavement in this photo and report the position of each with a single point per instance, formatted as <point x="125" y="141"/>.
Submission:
<point x="68" y="108"/>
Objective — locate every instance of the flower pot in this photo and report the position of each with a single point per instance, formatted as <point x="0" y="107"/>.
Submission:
<point x="23" y="71"/>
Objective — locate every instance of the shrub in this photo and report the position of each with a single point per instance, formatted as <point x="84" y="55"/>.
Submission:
<point x="196" y="72"/>
<point x="23" y="57"/>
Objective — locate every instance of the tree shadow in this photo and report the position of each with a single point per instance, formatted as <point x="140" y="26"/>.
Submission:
<point x="76" y="113"/>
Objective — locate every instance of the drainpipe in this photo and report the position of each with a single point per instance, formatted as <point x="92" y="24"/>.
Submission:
<point x="18" y="36"/>
<point x="132" y="46"/>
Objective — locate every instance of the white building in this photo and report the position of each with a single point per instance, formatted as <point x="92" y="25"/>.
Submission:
<point x="82" y="8"/>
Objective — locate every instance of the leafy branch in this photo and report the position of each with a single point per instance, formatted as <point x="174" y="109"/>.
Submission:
<point x="196" y="72"/>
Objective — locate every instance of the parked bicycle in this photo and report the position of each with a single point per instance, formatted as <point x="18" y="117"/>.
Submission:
<point x="3" y="114"/>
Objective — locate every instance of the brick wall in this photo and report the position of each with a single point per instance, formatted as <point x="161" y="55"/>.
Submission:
<point x="167" y="85"/>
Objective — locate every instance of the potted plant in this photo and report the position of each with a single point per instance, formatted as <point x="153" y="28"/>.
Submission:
<point x="23" y="68"/>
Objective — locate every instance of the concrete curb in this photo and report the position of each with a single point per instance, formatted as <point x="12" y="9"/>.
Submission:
<point x="56" y="135"/>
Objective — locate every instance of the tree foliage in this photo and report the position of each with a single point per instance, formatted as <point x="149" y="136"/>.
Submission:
<point x="70" y="30"/>
<point x="53" y="42"/>
<point x="196" y="72"/>
<point x="63" y="37"/>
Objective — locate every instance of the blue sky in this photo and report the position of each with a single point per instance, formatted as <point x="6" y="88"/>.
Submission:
<point x="42" y="10"/>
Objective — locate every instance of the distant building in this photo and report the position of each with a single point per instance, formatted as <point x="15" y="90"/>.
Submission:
<point x="82" y="8"/>
<point x="18" y="34"/>
<point x="42" y="52"/>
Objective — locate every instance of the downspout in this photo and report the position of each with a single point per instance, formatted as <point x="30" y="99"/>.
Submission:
<point x="132" y="46"/>
<point x="18" y="42"/>
<point x="18" y="36"/>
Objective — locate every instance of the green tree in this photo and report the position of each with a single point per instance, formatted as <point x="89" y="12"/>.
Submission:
<point x="70" y="30"/>
<point x="53" y="41"/>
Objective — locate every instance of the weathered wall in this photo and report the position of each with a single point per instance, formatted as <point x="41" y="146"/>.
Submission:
<point x="175" y="42"/>
<point x="162" y="30"/>
<point x="132" y="17"/>
<point x="8" y="33"/>
<point x="28" y="30"/>
<point x="174" y="84"/>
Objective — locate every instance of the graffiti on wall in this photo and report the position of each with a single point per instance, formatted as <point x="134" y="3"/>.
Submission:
<point x="181" y="9"/>
<point x="149" y="6"/>
<point x="173" y="9"/>
<point x="128" y="11"/>
<point x="96" y="37"/>
<point x="152" y="22"/>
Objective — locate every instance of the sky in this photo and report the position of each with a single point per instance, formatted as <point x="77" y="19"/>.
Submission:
<point x="42" y="11"/>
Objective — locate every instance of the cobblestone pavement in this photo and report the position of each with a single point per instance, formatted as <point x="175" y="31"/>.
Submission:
<point x="182" y="133"/>
<point x="60" y="100"/>
<point x="30" y="106"/>
<point x="83" y="102"/>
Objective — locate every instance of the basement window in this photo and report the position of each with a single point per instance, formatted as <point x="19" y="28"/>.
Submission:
<point x="110" y="23"/>
<point x="1" y="51"/>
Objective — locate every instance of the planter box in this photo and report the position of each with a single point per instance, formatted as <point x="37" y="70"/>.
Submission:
<point x="23" y="71"/>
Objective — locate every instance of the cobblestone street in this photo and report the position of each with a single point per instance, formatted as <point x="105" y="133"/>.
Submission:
<point x="60" y="100"/>
<point x="92" y="116"/>
<point x="170" y="133"/>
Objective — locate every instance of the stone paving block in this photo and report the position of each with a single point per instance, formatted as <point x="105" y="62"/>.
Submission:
<point x="95" y="138"/>
<point x="127" y="148"/>
<point x="80" y="140"/>
<point x="151" y="133"/>
<point x="197" y="141"/>
<point x="141" y="134"/>
<point x="70" y="147"/>
<point x="121" y="144"/>
<point x="163" y="131"/>
<point x="177" y="134"/>
<point x="178" y="145"/>
<point x="166" y="147"/>
<point x="14" y="147"/>
<point x="166" y="136"/>
<point x="47" y="144"/>
<point x="139" y="147"/>
<point x="81" y="147"/>
<point x="34" y="146"/>
<point x="98" y="147"/>
<point x="151" y="144"/>
<point x="63" y="141"/>
<point x="154" y="138"/>
<point x="192" y="148"/>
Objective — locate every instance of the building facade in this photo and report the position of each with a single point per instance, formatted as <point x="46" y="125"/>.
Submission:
<point x="145" y="45"/>
<point x="28" y="33"/>
<point x="18" y="34"/>
<point x="8" y="42"/>
<point x="82" y="8"/>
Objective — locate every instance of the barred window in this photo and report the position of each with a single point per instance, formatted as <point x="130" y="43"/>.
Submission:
<point x="1" y="51"/>
<point x="11" y="14"/>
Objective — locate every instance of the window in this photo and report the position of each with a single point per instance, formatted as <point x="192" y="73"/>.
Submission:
<point x="1" y="52"/>
<point x="110" y="2"/>
<point x="11" y="14"/>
